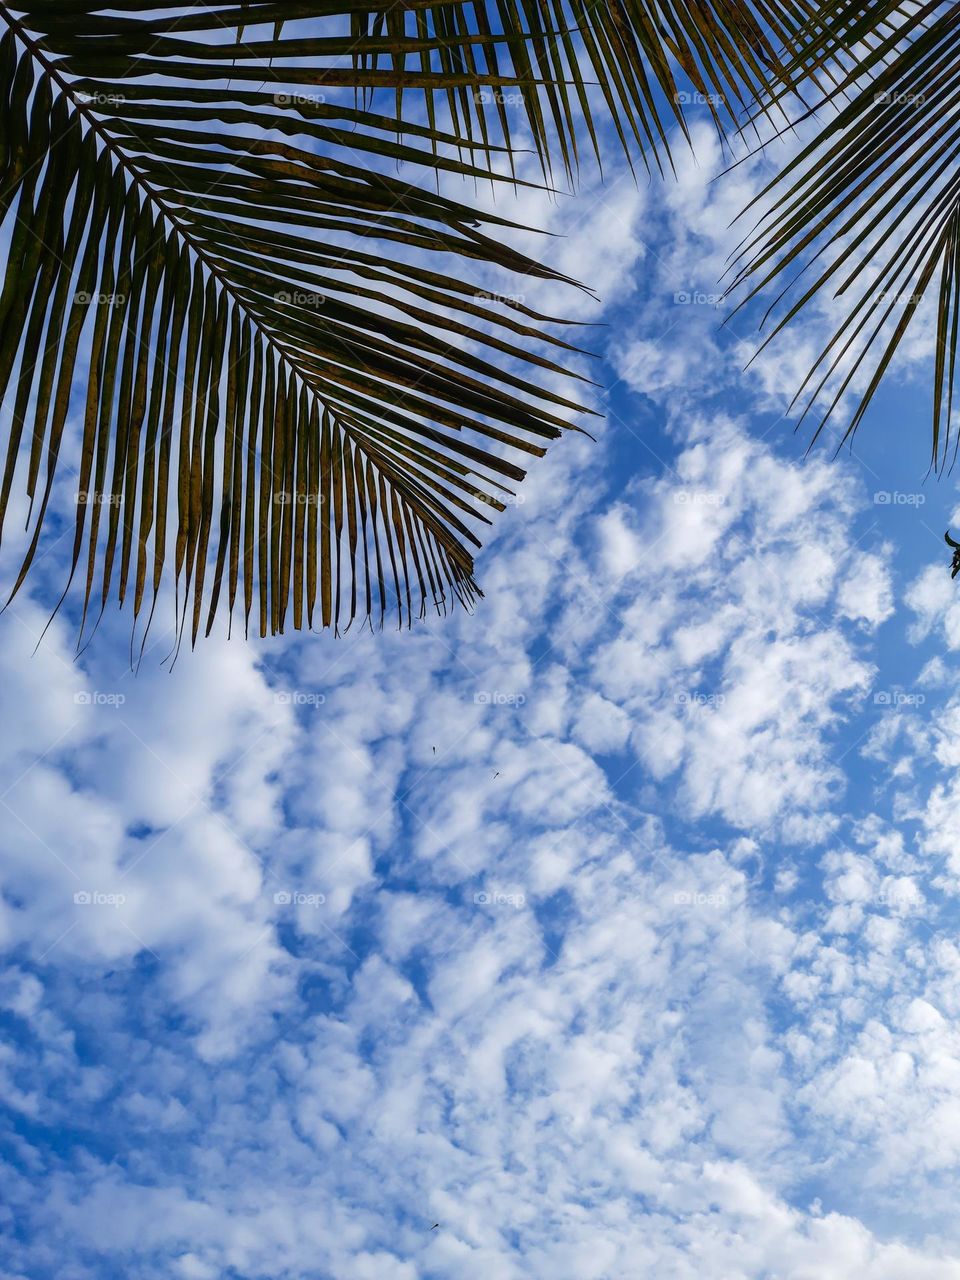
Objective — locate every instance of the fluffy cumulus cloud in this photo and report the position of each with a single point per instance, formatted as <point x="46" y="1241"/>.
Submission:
<point x="733" y="573"/>
<point x="611" y="930"/>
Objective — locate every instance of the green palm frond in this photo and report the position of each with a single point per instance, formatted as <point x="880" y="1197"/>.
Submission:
<point x="869" y="210"/>
<point x="286" y="394"/>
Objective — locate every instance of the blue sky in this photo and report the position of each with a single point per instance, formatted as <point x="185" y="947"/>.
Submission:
<point x="613" y="928"/>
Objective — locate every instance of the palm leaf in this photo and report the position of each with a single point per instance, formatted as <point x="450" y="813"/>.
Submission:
<point x="286" y="391"/>
<point x="869" y="209"/>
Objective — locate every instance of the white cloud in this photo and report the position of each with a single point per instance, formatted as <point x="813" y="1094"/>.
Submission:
<point x="545" y="925"/>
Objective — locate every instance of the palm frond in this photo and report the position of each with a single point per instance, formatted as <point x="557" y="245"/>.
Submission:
<point x="473" y="58"/>
<point x="281" y="393"/>
<point x="869" y="209"/>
